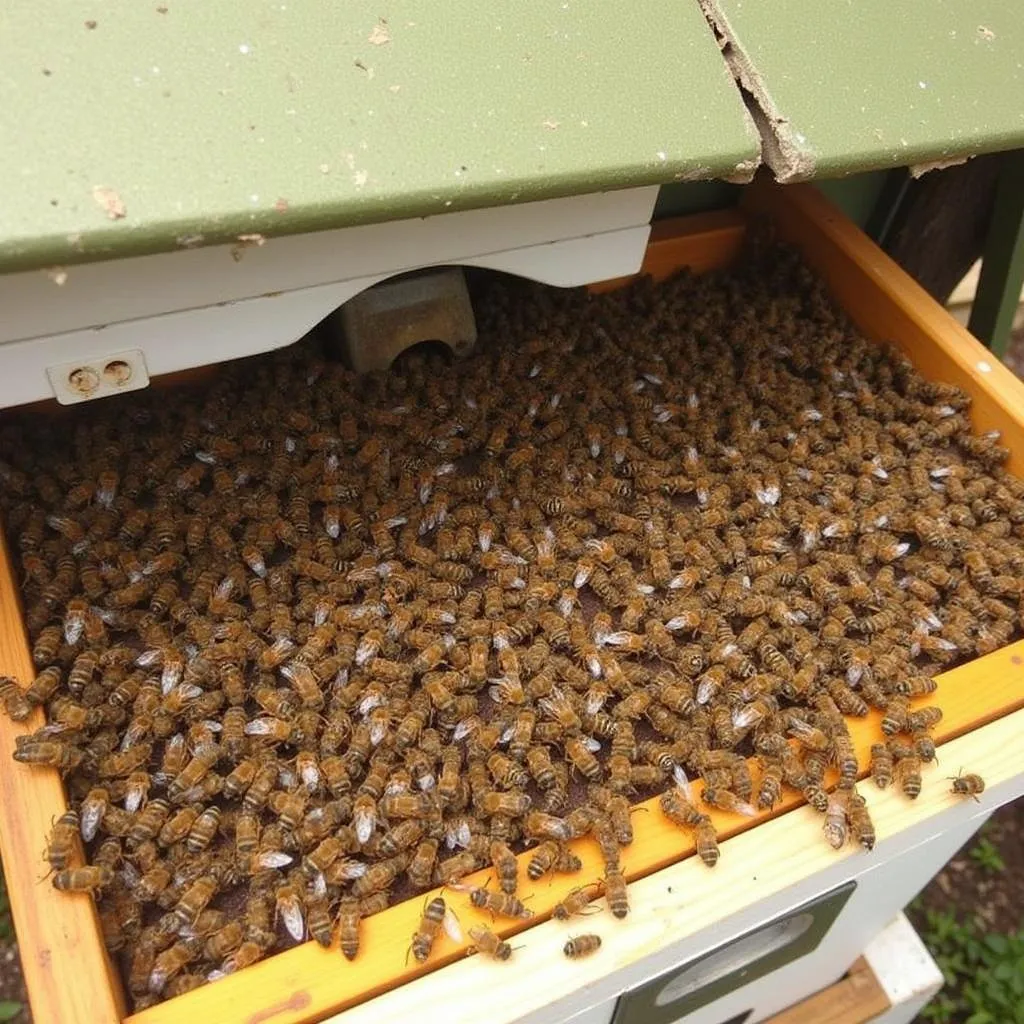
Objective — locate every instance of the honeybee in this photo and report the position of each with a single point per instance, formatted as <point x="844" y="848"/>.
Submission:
<point x="505" y="865"/>
<point x="85" y="879"/>
<point x="861" y="825"/>
<point x="968" y="785"/>
<point x="616" y="893"/>
<point x="13" y="698"/>
<point x="577" y="902"/>
<point x="486" y="942"/>
<point x="435" y="915"/>
<point x="769" y="791"/>
<point x="349" y="915"/>
<point x="835" y="822"/>
<point x="61" y="845"/>
<point x="908" y="774"/>
<point x="881" y="765"/>
<point x="497" y="903"/>
<point x="581" y="946"/>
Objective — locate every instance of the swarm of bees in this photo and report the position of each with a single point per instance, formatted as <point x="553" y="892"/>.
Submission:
<point x="308" y="642"/>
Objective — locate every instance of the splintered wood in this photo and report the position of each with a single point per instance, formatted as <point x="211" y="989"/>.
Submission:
<point x="307" y="642"/>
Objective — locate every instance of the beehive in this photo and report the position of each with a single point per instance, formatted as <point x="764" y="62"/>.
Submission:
<point x="301" y="984"/>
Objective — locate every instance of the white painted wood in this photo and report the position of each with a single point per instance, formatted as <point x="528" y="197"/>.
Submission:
<point x="97" y="294"/>
<point x="905" y="970"/>
<point x="212" y="334"/>
<point x="768" y="865"/>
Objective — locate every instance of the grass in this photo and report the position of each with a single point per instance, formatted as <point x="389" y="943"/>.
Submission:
<point x="985" y="854"/>
<point x="984" y="973"/>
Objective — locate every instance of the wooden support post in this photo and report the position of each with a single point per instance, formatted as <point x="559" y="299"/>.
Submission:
<point x="1002" y="270"/>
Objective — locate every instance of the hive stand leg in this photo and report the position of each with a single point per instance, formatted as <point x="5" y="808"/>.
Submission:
<point x="1002" y="269"/>
<point x="378" y="325"/>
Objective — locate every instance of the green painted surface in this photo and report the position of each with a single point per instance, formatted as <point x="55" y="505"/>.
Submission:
<point x="683" y="198"/>
<point x="864" y="84"/>
<point x="226" y="117"/>
<point x="856" y="195"/>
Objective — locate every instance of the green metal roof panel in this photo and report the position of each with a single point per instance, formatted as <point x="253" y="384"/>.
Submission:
<point x="136" y="126"/>
<point x="851" y="85"/>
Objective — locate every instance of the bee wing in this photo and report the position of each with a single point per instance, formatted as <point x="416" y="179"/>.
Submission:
<point x="682" y="781"/>
<point x="273" y="859"/>
<point x="593" y="745"/>
<point x="89" y="822"/>
<point x="318" y="886"/>
<point x="291" y="915"/>
<point x="452" y="928"/>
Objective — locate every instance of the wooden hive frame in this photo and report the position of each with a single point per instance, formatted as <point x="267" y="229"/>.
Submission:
<point x="70" y="977"/>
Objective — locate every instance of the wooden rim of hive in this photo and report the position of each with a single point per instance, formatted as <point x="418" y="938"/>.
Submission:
<point x="67" y="970"/>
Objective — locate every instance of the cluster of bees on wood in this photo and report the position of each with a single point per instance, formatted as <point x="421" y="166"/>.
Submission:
<point x="308" y="642"/>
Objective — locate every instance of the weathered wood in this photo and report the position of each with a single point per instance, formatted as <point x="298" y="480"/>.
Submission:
<point x="940" y="227"/>
<point x="854" y="999"/>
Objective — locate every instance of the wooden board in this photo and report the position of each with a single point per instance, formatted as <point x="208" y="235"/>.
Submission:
<point x="685" y="899"/>
<point x="55" y="930"/>
<point x="307" y="982"/>
<point x="855" y="999"/>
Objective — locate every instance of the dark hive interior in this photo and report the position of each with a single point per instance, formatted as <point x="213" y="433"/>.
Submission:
<point x="309" y="642"/>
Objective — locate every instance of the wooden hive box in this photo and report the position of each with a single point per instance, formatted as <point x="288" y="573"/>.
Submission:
<point x="71" y="979"/>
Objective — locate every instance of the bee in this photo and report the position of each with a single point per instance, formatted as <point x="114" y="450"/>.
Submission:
<point x="579" y="750"/>
<point x="908" y="774"/>
<point x="861" y="825"/>
<point x="968" y="785"/>
<point x="203" y="830"/>
<point x="435" y="916"/>
<point x="835" y="822"/>
<point x="506" y="866"/>
<point x="577" y="902"/>
<point x="61" y="845"/>
<point x="725" y="800"/>
<point x="769" y="791"/>
<point x="195" y="898"/>
<point x="497" y="903"/>
<point x="85" y="879"/>
<point x="545" y="826"/>
<point x="881" y="765"/>
<point x="177" y="826"/>
<point x="895" y="719"/>
<point x="349" y="915"/>
<point x="581" y="946"/>
<point x="616" y="893"/>
<point x="486" y="942"/>
<point x="923" y="719"/>
<point x="421" y="867"/>
<point x="14" y="699"/>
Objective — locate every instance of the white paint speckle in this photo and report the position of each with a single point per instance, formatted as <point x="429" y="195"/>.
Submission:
<point x="984" y="366"/>
<point x="243" y="48"/>
<point x="155" y="70"/>
<point x="254" y="198"/>
<point x="661" y="155"/>
<point x="360" y="178"/>
<point x="923" y="85"/>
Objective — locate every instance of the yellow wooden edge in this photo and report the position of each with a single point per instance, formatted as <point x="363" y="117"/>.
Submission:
<point x="685" y="898"/>
<point x="856" y="998"/>
<point x="887" y="304"/>
<point x="64" y="961"/>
